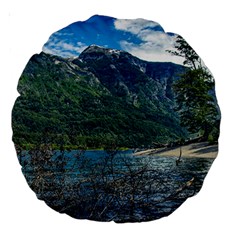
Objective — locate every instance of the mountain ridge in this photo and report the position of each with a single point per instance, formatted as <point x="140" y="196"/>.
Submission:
<point x="160" y="72"/>
<point x="104" y="97"/>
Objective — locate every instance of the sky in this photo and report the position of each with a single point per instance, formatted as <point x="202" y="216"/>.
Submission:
<point x="142" y="38"/>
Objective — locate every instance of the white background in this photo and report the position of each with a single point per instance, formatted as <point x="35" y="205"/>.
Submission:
<point x="212" y="29"/>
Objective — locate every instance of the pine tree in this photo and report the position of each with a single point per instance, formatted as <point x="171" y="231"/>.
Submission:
<point x="194" y="91"/>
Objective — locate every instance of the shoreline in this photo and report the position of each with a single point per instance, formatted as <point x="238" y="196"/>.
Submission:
<point x="194" y="150"/>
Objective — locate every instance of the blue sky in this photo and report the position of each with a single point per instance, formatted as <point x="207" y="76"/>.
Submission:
<point x="142" y="38"/>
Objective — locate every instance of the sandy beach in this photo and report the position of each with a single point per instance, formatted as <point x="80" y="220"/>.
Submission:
<point x="196" y="150"/>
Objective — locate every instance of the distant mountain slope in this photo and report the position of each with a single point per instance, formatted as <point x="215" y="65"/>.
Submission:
<point x="142" y="83"/>
<point x="103" y="98"/>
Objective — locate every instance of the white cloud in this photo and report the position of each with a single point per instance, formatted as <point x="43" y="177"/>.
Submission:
<point x="134" y="26"/>
<point x="153" y="47"/>
<point x="56" y="46"/>
<point x="149" y="35"/>
<point x="154" y="43"/>
<point x="150" y="52"/>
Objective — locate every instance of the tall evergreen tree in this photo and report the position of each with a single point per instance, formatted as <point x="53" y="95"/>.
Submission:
<point x="196" y="102"/>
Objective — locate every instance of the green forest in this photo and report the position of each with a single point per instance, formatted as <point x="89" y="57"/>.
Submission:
<point x="101" y="99"/>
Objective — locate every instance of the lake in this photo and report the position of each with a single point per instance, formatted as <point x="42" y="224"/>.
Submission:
<point x="112" y="185"/>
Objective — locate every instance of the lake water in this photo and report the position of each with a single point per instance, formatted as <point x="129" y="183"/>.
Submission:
<point x="119" y="186"/>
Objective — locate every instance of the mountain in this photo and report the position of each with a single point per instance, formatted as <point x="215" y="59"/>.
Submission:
<point x="142" y="38"/>
<point x="103" y="98"/>
<point x="129" y="76"/>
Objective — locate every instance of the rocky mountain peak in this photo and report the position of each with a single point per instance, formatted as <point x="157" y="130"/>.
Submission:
<point x="97" y="52"/>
